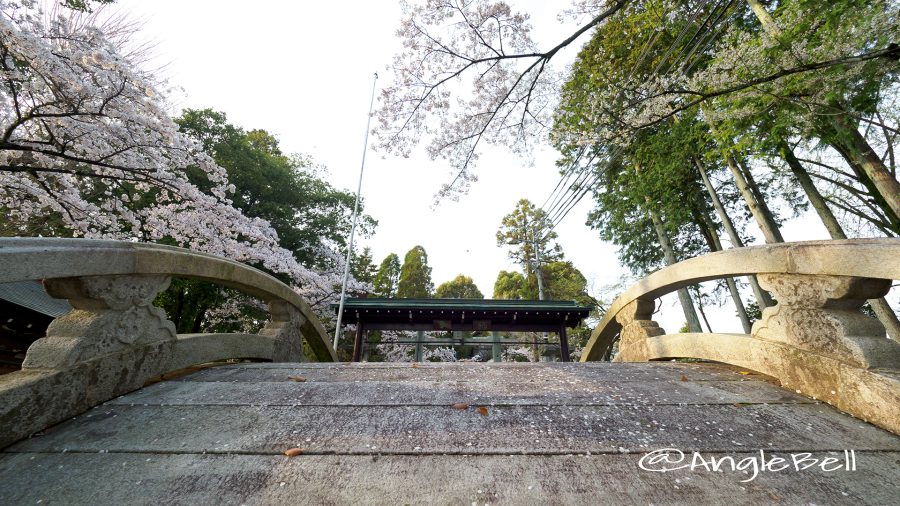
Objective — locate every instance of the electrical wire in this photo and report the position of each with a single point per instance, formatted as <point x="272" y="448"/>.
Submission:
<point x="564" y="202"/>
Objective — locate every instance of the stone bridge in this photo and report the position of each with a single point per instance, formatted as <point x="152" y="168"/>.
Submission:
<point x="802" y="410"/>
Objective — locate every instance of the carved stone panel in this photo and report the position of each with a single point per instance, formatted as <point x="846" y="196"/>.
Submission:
<point x="111" y="314"/>
<point x="821" y="314"/>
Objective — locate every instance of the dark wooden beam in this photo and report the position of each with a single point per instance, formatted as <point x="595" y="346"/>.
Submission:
<point x="467" y="342"/>
<point x="466" y="327"/>
<point x="563" y="344"/>
<point x="358" y="345"/>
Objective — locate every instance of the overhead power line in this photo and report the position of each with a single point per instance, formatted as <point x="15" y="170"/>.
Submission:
<point x="562" y="202"/>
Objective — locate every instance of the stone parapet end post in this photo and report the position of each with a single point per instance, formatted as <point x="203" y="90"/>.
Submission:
<point x="820" y="314"/>
<point x="286" y="328"/>
<point x="32" y="399"/>
<point x="112" y="341"/>
<point x="110" y="314"/>
<point x="637" y="326"/>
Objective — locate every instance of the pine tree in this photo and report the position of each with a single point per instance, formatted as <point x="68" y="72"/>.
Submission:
<point x="527" y="230"/>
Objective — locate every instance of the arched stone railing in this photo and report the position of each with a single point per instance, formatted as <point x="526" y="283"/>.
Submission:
<point x="815" y="340"/>
<point x="114" y="339"/>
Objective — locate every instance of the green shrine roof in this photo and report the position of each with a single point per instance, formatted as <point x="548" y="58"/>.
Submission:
<point x="464" y="304"/>
<point x="461" y="314"/>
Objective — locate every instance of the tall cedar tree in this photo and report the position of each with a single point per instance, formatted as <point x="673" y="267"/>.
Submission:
<point x="415" y="275"/>
<point x="387" y="277"/>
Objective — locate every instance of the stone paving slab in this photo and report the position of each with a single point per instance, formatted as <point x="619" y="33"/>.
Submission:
<point x="174" y="479"/>
<point x="445" y="392"/>
<point x="442" y="429"/>
<point x="549" y="372"/>
<point x="387" y="434"/>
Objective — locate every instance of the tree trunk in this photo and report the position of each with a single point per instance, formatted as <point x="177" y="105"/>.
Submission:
<point x="767" y="213"/>
<point x="683" y="296"/>
<point x="886" y="315"/>
<point x="179" y="306"/>
<point x="857" y="151"/>
<point x="893" y="221"/>
<point x="703" y="314"/>
<point x="764" y="17"/>
<point x="758" y="208"/>
<point x="763" y="299"/>
<point x="717" y="205"/>
<point x="769" y="229"/>
<point x="198" y="320"/>
<point x="716" y="245"/>
<point x="882" y="309"/>
<point x="812" y="193"/>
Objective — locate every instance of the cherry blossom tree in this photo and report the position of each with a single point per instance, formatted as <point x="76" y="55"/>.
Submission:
<point x="509" y="98"/>
<point x="440" y="354"/>
<point x="390" y="348"/>
<point x="85" y="138"/>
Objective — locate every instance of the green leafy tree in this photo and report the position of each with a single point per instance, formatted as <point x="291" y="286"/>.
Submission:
<point x="509" y="285"/>
<point x="563" y="281"/>
<point x="288" y="191"/>
<point x="387" y="277"/>
<point x="809" y="72"/>
<point x="460" y="287"/>
<point x="828" y="106"/>
<point x="415" y="275"/>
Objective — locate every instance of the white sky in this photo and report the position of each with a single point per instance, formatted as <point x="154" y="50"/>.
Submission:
<point x="303" y="71"/>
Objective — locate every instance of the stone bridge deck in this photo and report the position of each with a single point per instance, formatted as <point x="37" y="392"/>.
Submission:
<point x="387" y="433"/>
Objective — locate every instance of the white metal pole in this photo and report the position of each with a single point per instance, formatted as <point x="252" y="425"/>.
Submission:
<point x="537" y="264"/>
<point x="337" y="329"/>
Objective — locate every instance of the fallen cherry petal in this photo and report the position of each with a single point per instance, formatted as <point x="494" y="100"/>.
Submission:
<point x="684" y="378"/>
<point x="460" y="405"/>
<point x="483" y="410"/>
<point x="293" y="452"/>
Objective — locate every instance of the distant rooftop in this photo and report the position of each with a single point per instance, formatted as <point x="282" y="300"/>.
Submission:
<point x="462" y="314"/>
<point x="463" y="304"/>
